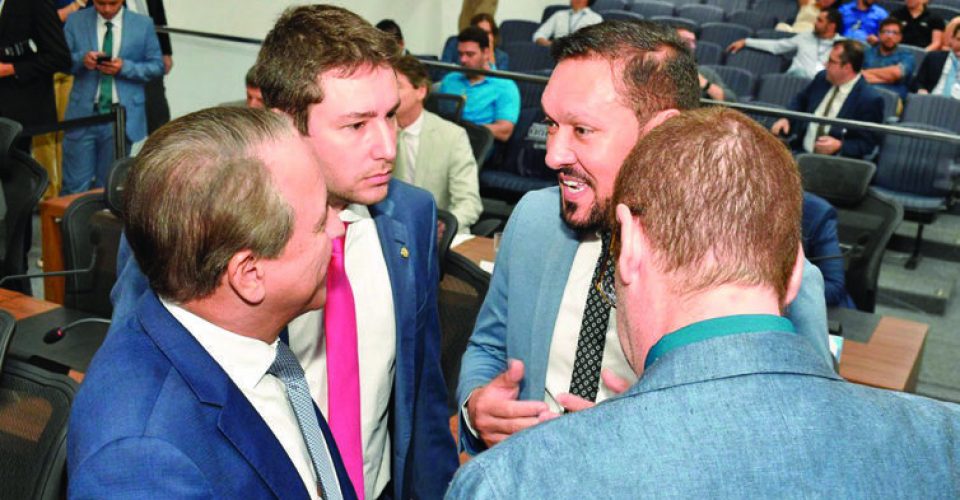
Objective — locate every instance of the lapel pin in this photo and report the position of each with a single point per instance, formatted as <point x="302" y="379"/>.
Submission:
<point x="404" y="252"/>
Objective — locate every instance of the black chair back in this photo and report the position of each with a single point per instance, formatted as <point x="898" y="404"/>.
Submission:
<point x="780" y="89"/>
<point x="758" y="62"/>
<point x="723" y="34"/>
<point x="528" y="56"/>
<point x="515" y="30"/>
<point x="700" y="13"/>
<point x="89" y="229"/>
<point x="708" y="53"/>
<point x="35" y="404"/>
<point x="650" y="8"/>
<point x="461" y="295"/>
<point x="481" y="140"/>
<point x="449" y="106"/>
<point x="24" y="182"/>
<point x="116" y="181"/>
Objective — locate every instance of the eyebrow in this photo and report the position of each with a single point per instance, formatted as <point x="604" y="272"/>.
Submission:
<point x="370" y="114"/>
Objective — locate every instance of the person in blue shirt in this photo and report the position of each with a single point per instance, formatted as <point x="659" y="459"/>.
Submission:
<point x="861" y="20"/>
<point x="491" y="102"/>
<point x="886" y="64"/>
<point x="821" y="244"/>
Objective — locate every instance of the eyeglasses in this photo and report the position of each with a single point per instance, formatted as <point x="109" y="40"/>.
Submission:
<point x="833" y="61"/>
<point x="889" y="32"/>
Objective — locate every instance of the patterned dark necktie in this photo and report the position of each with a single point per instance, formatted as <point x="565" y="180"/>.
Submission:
<point x="593" y="330"/>
<point x="288" y="370"/>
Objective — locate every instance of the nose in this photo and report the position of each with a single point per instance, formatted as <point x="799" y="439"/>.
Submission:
<point x="385" y="140"/>
<point x="559" y="152"/>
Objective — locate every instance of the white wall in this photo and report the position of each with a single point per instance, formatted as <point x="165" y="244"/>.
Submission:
<point x="209" y="72"/>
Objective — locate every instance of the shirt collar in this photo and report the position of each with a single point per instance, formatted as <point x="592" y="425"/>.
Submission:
<point x="355" y="213"/>
<point x="244" y="359"/>
<point x="847" y="87"/>
<point x="717" y="327"/>
<point x="415" y="127"/>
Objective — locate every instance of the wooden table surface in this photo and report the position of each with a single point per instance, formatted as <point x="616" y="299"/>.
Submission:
<point x="889" y="360"/>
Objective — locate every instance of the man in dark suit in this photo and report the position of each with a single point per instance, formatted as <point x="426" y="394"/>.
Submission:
<point x="32" y="49"/>
<point x="330" y="72"/>
<point x="940" y="71"/>
<point x="194" y="395"/>
<point x="839" y="91"/>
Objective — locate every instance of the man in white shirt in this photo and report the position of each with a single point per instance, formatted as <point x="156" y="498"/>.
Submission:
<point x="813" y="49"/>
<point x="564" y="22"/>
<point x="184" y="401"/>
<point x="432" y="153"/>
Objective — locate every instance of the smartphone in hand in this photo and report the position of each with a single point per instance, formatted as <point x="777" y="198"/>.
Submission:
<point x="103" y="58"/>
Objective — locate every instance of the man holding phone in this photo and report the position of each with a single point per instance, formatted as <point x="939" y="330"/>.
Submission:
<point x="107" y="73"/>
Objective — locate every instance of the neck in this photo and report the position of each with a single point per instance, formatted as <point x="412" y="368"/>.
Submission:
<point x="846" y="80"/>
<point x="885" y="51"/>
<point x="675" y="312"/>
<point x="862" y="5"/>
<point x="916" y="10"/>
<point x="233" y="314"/>
<point x="405" y="119"/>
<point x="826" y="35"/>
<point x="475" y="77"/>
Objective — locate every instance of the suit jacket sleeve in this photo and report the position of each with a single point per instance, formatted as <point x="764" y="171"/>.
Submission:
<point x="858" y="143"/>
<point x="486" y="353"/>
<point x="75" y="43"/>
<point x="929" y="73"/>
<point x="52" y="52"/>
<point x="808" y="312"/>
<point x="131" y="284"/>
<point x="463" y="181"/>
<point x="144" y="467"/>
<point x="151" y="65"/>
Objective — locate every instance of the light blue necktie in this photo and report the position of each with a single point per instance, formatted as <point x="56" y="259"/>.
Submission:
<point x="951" y="76"/>
<point x="288" y="369"/>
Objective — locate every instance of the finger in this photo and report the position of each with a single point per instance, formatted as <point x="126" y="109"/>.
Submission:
<point x="494" y="439"/>
<point x="574" y="403"/>
<point x="514" y="373"/>
<point x="516" y="409"/>
<point x="547" y="415"/>
<point x="613" y="381"/>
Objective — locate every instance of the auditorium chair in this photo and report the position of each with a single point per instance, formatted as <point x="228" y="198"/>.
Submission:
<point x="723" y="34"/>
<point x="677" y="22"/>
<point x="758" y="62"/>
<point x="866" y="220"/>
<point x="527" y="57"/>
<point x="730" y="5"/>
<point x="891" y="104"/>
<point x="24" y="182"/>
<point x="522" y="167"/>
<point x="460" y="297"/>
<point x="740" y="81"/>
<point x="919" y="174"/>
<point x="937" y="110"/>
<point x="600" y="6"/>
<point x="753" y="19"/>
<point x="783" y="10"/>
<point x="91" y="234"/>
<point x="708" y="53"/>
<point x="780" y="89"/>
<point x="651" y="8"/>
<point x="701" y="14"/>
<point x="515" y="30"/>
<point x="621" y="15"/>
<point x="481" y="140"/>
<point x="444" y="239"/>
<point x="447" y="106"/>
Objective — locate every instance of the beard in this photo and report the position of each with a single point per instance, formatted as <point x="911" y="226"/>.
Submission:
<point x="596" y="218"/>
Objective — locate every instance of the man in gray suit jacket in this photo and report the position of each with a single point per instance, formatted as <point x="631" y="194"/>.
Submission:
<point x="732" y="402"/>
<point x="432" y="153"/>
<point x="544" y="341"/>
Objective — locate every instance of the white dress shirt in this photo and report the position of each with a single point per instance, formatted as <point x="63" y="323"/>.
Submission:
<point x="566" y="21"/>
<point x="566" y="330"/>
<point x="410" y="145"/>
<point x="812" y="52"/>
<point x="246" y="361"/>
<point x="835" y="107"/>
<point x="117" y="22"/>
<point x="376" y="344"/>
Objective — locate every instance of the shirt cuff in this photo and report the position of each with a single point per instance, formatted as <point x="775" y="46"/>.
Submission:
<point x="465" y="416"/>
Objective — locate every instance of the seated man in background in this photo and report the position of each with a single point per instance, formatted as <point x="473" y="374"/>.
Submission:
<point x="813" y="49"/>
<point x="564" y="22"/>
<point x="837" y="92"/>
<point x="499" y="60"/>
<point x="391" y="27"/>
<point x="115" y="53"/>
<point x="939" y="72"/>
<point x="861" y="20"/>
<point x="491" y="102"/>
<point x="254" y="96"/>
<point x="886" y="64"/>
<point x="821" y="245"/>
<point x="186" y="400"/>
<point x="432" y="153"/>
<point x="733" y="403"/>
<point x="711" y="84"/>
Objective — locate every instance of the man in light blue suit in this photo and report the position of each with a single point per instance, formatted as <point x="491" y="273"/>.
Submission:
<point x="330" y="73"/>
<point x="183" y="400"/>
<point x="535" y="351"/>
<point x="115" y="53"/>
<point x="733" y="403"/>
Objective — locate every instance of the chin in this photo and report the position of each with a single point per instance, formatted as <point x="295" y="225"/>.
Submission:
<point x="579" y="218"/>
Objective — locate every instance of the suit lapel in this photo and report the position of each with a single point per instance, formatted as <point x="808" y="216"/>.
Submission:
<point x="558" y="261"/>
<point x="394" y="243"/>
<point x="238" y="420"/>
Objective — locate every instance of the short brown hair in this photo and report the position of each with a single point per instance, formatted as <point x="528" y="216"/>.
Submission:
<point x="494" y="29"/>
<point x="720" y="200"/>
<point x="658" y="70"/>
<point x="414" y="70"/>
<point x="198" y="193"/>
<point x="853" y="53"/>
<point x="308" y="41"/>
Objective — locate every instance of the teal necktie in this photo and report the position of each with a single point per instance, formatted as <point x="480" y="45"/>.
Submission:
<point x="106" y="81"/>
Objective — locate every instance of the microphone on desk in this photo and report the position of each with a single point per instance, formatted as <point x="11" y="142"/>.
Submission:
<point x="57" y="334"/>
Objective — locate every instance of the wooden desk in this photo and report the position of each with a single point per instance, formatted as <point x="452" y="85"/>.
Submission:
<point x="51" y="211"/>
<point x="23" y="306"/>
<point x="889" y="360"/>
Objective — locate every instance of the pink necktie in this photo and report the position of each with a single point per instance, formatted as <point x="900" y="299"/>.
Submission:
<point x="343" y="367"/>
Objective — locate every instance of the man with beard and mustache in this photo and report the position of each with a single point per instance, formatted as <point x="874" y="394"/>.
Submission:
<point x="543" y="332"/>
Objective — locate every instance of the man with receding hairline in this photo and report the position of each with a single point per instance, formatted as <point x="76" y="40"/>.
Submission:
<point x="543" y="343"/>
<point x="227" y="213"/>
<point x="372" y="357"/>
<point x="733" y="402"/>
